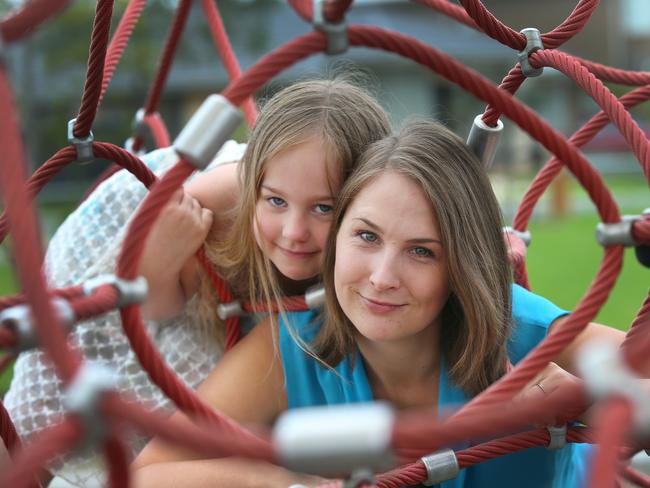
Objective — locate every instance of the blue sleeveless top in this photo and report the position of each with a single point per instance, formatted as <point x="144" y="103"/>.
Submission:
<point x="308" y="383"/>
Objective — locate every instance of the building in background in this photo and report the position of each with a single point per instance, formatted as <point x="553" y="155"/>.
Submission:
<point x="48" y="71"/>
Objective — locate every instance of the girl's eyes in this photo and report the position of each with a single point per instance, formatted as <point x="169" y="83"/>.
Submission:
<point x="322" y="208"/>
<point x="276" y="201"/>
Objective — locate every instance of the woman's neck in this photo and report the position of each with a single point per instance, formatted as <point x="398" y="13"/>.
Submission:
<point x="405" y="372"/>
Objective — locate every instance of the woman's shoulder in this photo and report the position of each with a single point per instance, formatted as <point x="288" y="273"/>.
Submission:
<point x="530" y="309"/>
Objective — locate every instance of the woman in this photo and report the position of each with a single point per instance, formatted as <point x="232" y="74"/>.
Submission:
<point x="418" y="313"/>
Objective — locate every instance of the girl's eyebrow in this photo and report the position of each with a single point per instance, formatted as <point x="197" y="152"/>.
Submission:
<point x="416" y="240"/>
<point x="279" y="192"/>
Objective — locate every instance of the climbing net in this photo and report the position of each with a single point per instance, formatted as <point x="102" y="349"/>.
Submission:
<point x="97" y="414"/>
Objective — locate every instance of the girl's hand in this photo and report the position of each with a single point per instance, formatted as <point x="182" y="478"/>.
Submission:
<point x="178" y="233"/>
<point x="167" y="262"/>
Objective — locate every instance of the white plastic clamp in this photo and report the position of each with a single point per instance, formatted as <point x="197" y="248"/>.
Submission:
<point x="21" y="321"/>
<point x="334" y="440"/>
<point x="483" y="140"/>
<point x="315" y="296"/>
<point x="618" y="233"/>
<point x="83" y="395"/>
<point x="207" y="130"/>
<point x="524" y="236"/>
<point x="130" y="292"/>
<point x="83" y="146"/>
<point x="230" y="309"/>
<point x="605" y="374"/>
<point x="338" y="41"/>
<point x="557" y="437"/>
<point x="533" y="44"/>
<point x="441" y="466"/>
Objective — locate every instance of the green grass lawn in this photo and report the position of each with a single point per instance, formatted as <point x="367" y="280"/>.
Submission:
<point x="562" y="261"/>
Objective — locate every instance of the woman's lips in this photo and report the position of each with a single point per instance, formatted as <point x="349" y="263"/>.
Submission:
<point x="380" y="307"/>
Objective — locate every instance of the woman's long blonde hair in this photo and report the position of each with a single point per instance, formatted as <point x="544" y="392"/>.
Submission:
<point x="345" y="116"/>
<point x="476" y="318"/>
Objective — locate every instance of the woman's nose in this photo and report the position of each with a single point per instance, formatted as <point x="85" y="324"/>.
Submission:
<point x="384" y="274"/>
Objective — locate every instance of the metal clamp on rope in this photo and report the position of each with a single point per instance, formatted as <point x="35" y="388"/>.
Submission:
<point x="557" y="437"/>
<point x="83" y="146"/>
<point x="334" y="440"/>
<point x="618" y="233"/>
<point x="336" y="34"/>
<point x="441" y="466"/>
<point x="129" y="292"/>
<point x="533" y="44"/>
<point x="315" y="296"/>
<point x="20" y="320"/>
<point x="83" y="395"/>
<point x="524" y="236"/>
<point x="210" y="126"/>
<point x="607" y="375"/>
<point x="642" y="251"/>
<point x="230" y="309"/>
<point x="483" y="140"/>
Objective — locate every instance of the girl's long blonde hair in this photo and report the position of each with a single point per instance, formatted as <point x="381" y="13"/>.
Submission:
<point x="476" y="318"/>
<point x="346" y="117"/>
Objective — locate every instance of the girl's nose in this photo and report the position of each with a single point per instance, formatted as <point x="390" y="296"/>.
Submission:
<point x="295" y="227"/>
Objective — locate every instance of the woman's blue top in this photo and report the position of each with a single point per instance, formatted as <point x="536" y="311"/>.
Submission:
<point x="310" y="384"/>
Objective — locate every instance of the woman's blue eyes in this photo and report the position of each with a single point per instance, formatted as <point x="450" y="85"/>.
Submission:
<point x="372" y="238"/>
<point x="422" y="252"/>
<point x="367" y="236"/>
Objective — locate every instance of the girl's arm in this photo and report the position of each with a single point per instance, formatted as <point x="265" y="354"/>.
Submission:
<point x="168" y="261"/>
<point x="248" y="386"/>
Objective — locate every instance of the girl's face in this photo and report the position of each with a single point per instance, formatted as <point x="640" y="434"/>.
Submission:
<point x="390" y="276"/>
<point x="294" y="208"/>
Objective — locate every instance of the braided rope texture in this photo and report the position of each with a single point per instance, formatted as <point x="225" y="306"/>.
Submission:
<point x="413" y="435"/>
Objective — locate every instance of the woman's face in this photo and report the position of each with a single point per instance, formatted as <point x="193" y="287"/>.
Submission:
<point x="293" y="213"/>
<point x="390" y="276"/>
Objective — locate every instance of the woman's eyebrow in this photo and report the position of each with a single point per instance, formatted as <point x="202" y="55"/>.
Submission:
<point x="415" y="240"/>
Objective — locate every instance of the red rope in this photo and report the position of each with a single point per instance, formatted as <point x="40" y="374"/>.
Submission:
<point x="222" y="43"/>
<point x="119" y="41"/>
<point x="95" y="72"/>
<point x="27" y="462"/>
<point x="8" y="432"/>
<point x="24" y="228"/>
<point x="554" y="165"/>
<point x="595" y="88"/>
<point x="153" y="99"/>
<point x="23" y="20"/>
<point x="614" y="421"/>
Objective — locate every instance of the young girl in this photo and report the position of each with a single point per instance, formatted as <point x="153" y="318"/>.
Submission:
<point x="418" y="313"/>
<point x="304" y="143"/>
